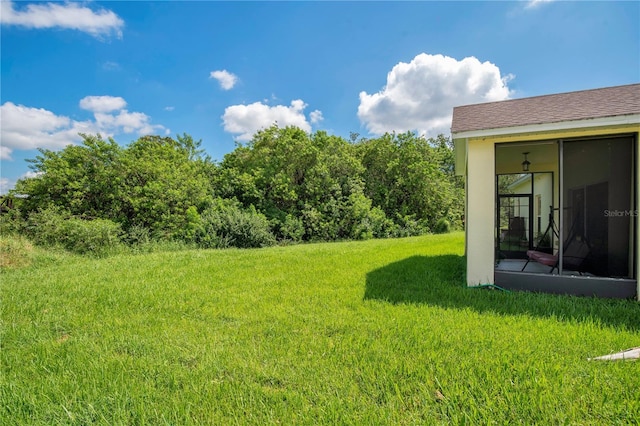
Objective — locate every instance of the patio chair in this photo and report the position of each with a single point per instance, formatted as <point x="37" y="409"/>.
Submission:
<point x="575" y="254"/>
<point x="576" y="249"/>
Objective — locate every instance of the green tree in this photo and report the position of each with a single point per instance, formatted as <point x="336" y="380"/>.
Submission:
<point x="412" y="178"/>
<point x="163" y="178"/>
<point x="299" y="179"/>
<point x="84" y="179"/>
<point x="159" y="184"/>
<point x="284" y="183"/>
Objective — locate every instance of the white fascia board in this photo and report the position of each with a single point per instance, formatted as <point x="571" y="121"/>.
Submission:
<point x="551" y="127"/>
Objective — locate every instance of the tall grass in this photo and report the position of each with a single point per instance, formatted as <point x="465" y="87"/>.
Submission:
<point x="15" y="252"/>
<point x="375" y="332"/>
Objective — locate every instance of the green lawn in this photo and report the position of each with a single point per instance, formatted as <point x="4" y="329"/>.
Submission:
<point x="375" y="332"/>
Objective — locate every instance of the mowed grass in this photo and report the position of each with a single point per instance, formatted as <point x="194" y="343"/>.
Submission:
<point x="375" y="332"/>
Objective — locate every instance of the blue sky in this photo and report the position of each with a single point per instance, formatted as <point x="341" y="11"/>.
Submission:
<point x="219" y="71"/>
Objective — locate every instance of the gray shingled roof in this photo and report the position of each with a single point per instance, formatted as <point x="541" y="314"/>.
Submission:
<point x="586" y="104"/>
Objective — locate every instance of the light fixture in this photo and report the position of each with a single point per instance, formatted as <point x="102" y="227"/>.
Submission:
<point x="525" y="163"/>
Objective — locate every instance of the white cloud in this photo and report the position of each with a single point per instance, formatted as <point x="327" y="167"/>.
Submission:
<point x="246" y="120"/>
<point x="316" y="116"/>
<point x="31" y="174"/>
<point x="226" y="79"/>
<point x="127" y="122"/>
<point x="420" y="96"/>
<point x="68" y="15"/>
<point x="111" y="117"/>
<point x="169" y="108"/>
<point x="535" y="3"/>
<point x="111" y="66"/>
<point x="5" y="153"/>
<point x="25" y="128"/>
<point x="6" y="185"/>
<point x="102" y="103"/>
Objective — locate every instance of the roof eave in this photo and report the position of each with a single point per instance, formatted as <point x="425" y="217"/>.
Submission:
<point x="551" y="127"/>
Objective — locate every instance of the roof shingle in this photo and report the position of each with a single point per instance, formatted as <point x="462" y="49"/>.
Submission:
<point x="582" y="105"/>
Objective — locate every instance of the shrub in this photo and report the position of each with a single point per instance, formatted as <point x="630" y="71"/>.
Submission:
<point x="137" y="235"/>
<point x="356" y="212"/>
<point x="55" y="227"/>
<point x="316" y="226"/>
<point x="409" y="226"/>
<point x="379" y="224"/>
<point x="227" y="225"/>
<point x="442" y="226"/>
<point x="44" y="226"/>
<point x="11" y="222"/>
<point x="291" y="229"/>
<point x="98" y="236"/>
<point x="192" y="225"/>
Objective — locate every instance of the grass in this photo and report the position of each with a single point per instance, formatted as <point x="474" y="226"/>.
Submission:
<point x="15" y="252"/>
<point x="376" y="332"/>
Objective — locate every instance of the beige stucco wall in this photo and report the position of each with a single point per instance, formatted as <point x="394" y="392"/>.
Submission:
<point x="480" y="213"/>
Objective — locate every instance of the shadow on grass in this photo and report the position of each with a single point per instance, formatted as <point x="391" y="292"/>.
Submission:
<point x="439" y="281"/>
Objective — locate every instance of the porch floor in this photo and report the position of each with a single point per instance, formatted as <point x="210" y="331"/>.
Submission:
<point x="516" y="265"/>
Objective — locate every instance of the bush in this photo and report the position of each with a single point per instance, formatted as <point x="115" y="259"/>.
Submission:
<point x="11" y="222"/>
<point x="409" y="226"/>
<point x="98" y="236"/>
<point x="192" y="225"/>
<point x="55" y="227"/>
<point x="316" y="225"/>
<point x="227" y="225"/>
<point x="442" y="226"/>
<point x="379" y="224"/>
<point x="44" y="227"/>
<point x="290" y="229"/>
<point x="137" y="235"/>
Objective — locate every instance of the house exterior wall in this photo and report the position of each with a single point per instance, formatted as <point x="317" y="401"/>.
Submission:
<point x="481" y="173"/>
<point x="480" y="212"/>
<point x="543" y="185"/>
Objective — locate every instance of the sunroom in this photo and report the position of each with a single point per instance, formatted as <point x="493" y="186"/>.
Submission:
<point x="552" y="191"/>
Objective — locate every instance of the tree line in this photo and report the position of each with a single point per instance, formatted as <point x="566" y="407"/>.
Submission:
<point x="285" y="185"/>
